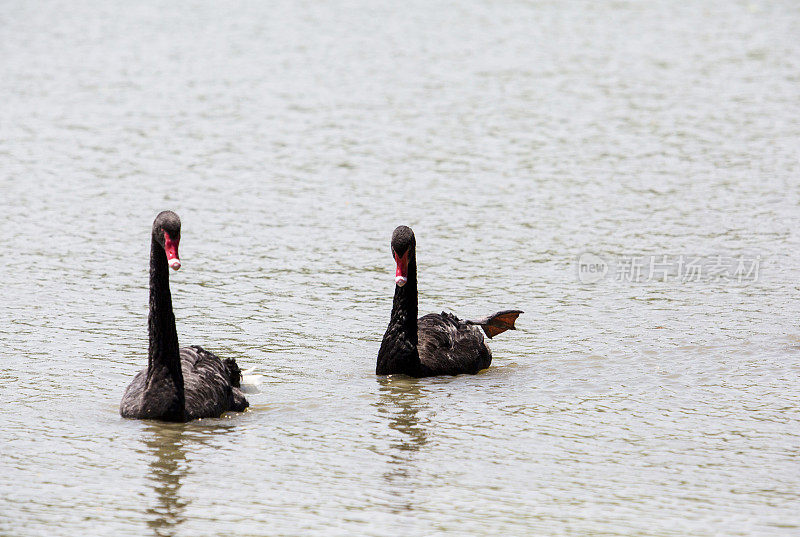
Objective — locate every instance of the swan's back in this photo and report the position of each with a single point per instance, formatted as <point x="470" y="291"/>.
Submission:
<point x="450" y="346"/>
<point x="211" y="388"/>
<point x="211" y="385"/>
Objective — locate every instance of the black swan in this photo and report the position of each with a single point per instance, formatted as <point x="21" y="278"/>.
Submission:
<point x="178" y="384"/>
<point x="435" y="344"/>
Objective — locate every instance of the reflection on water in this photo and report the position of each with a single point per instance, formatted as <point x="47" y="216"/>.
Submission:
<point x="168" y="469"/>
<point x="169" y="443"/>
<point x="400" y="401"/>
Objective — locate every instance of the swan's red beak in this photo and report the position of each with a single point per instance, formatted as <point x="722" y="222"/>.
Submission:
<point x="401" y="274"/>
<point x="171" y="249"/>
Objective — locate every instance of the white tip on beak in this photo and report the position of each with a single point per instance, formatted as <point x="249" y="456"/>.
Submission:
<point x="400" y="281"/>
<point x="174" y="264"/>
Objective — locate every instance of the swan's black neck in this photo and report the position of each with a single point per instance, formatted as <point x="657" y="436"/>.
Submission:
<point x="398" y="353"/>
<point x="164" y="361"/>
<point x="404" y="307"/>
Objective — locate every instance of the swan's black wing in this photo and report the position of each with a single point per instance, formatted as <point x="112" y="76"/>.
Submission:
<point x="211" y="385"/>
<point x="450" y="346"/>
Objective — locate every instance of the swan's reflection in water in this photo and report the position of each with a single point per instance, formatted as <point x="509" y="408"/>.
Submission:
<point x="400" y="401"/>
<point x="169" y="443"/>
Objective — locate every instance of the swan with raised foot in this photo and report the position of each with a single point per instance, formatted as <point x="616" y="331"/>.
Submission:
<point x="437" y="343"/>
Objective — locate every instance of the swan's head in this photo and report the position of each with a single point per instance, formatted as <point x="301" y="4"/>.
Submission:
<point x="167" y="233"/>
<point x="403" y="247"/>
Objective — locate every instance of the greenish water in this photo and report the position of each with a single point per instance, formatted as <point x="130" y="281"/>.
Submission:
<point x="292" y="138"/>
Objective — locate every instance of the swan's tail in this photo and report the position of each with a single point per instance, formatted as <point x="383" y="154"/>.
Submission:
<point x="251" y="382"/>
<point x="499" y="322"/>
<point x="234" y="373"/>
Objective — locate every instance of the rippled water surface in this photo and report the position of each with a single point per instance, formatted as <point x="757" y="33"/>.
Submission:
<point x="514" y="136"/>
